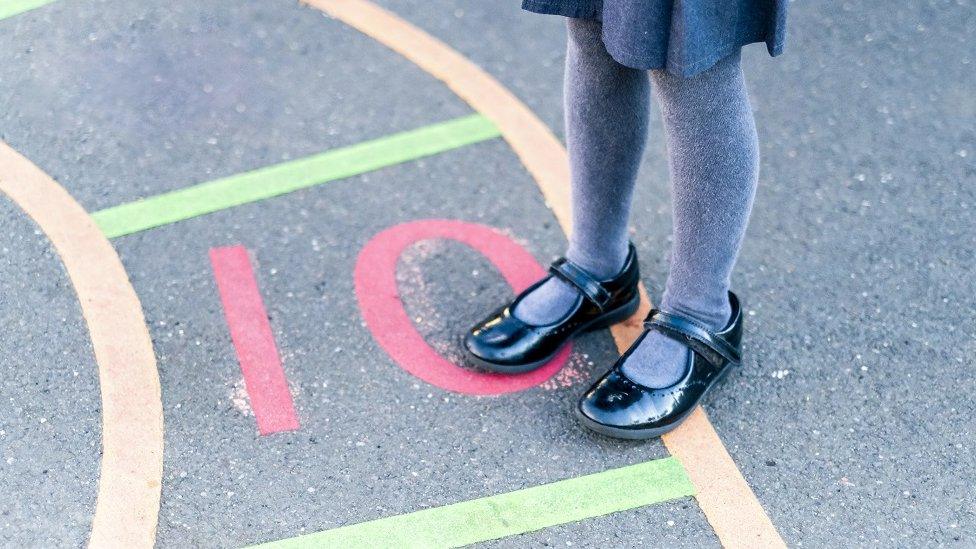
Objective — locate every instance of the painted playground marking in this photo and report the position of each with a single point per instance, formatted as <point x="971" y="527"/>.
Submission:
<point x="10" y="8"/>
<point x="394" y="331"/>
<point x="512" y="513"/>
<point x="132" y="414"/>
<point x="250" y="330"/>
<point x="293" y="175"/>
<point x="722" y="493"/>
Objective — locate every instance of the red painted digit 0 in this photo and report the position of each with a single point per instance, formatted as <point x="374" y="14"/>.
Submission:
<point x="379" y="299"/>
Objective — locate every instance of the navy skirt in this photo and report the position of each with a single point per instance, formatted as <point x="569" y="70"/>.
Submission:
<point x="684" y="37"/>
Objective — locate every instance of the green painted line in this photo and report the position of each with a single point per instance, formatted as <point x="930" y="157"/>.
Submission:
<point x="511" y="513"/>
<point x="293" y="175"/>
<point x="10" y="8"/>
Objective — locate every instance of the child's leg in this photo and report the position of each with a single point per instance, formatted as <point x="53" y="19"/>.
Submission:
<point x="714" y="161"/>
<point x="606" y="107"/>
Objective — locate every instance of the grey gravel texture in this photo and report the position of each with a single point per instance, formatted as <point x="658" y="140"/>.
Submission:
<point x="852" y="418"/>
<point x="50" y="421"/>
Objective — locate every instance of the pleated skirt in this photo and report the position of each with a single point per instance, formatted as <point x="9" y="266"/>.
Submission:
<point x="684" y="37"/>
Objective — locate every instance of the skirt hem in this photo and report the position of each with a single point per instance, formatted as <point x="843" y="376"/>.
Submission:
<point x="652" y="60"/>
<point x="590" y="10"/>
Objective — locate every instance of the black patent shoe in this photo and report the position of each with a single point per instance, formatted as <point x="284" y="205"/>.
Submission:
<point x="504" y="344"/>
<point x="618" y="407"/>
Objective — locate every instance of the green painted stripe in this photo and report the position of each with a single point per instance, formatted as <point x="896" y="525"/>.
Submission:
<point x="293" y="175"/>
<point x="10" y="8"/>
<point x="512" y="513"/>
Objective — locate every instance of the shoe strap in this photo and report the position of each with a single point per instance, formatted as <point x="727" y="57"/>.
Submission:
<point x="582" y="280"/>
<point x="691" y="332"/>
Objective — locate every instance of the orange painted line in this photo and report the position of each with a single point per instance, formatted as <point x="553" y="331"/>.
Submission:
<point x="127" y="507"/>
<point x="722" y="493"/>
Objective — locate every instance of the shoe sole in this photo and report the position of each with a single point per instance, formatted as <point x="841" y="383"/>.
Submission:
<point x="648" y="433"/>
<point x="605" y="320"/>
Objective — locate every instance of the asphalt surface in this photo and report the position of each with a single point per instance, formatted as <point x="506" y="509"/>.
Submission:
<point x="852" y="418"/>
<point x="50" y="432"/>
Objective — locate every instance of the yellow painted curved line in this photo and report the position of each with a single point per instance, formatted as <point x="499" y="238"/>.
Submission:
<point x="129" y="485"/>
<point x="722" y="493"/>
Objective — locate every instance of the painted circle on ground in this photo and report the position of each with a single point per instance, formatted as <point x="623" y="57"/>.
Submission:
<point x="383" y="311"/>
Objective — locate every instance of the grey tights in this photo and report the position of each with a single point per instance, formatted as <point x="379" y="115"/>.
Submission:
<point x="714" y="162"/>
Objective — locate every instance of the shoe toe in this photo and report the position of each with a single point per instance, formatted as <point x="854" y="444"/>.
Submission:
<point x="589" y="408"/>
<point x="477" y="344"/>
<point x="607" y="401"/>
<point x="616" y="402"/>
<point x="493" y="340"/>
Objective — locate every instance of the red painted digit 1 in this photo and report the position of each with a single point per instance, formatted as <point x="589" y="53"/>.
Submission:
<point x="379" y="300"/>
